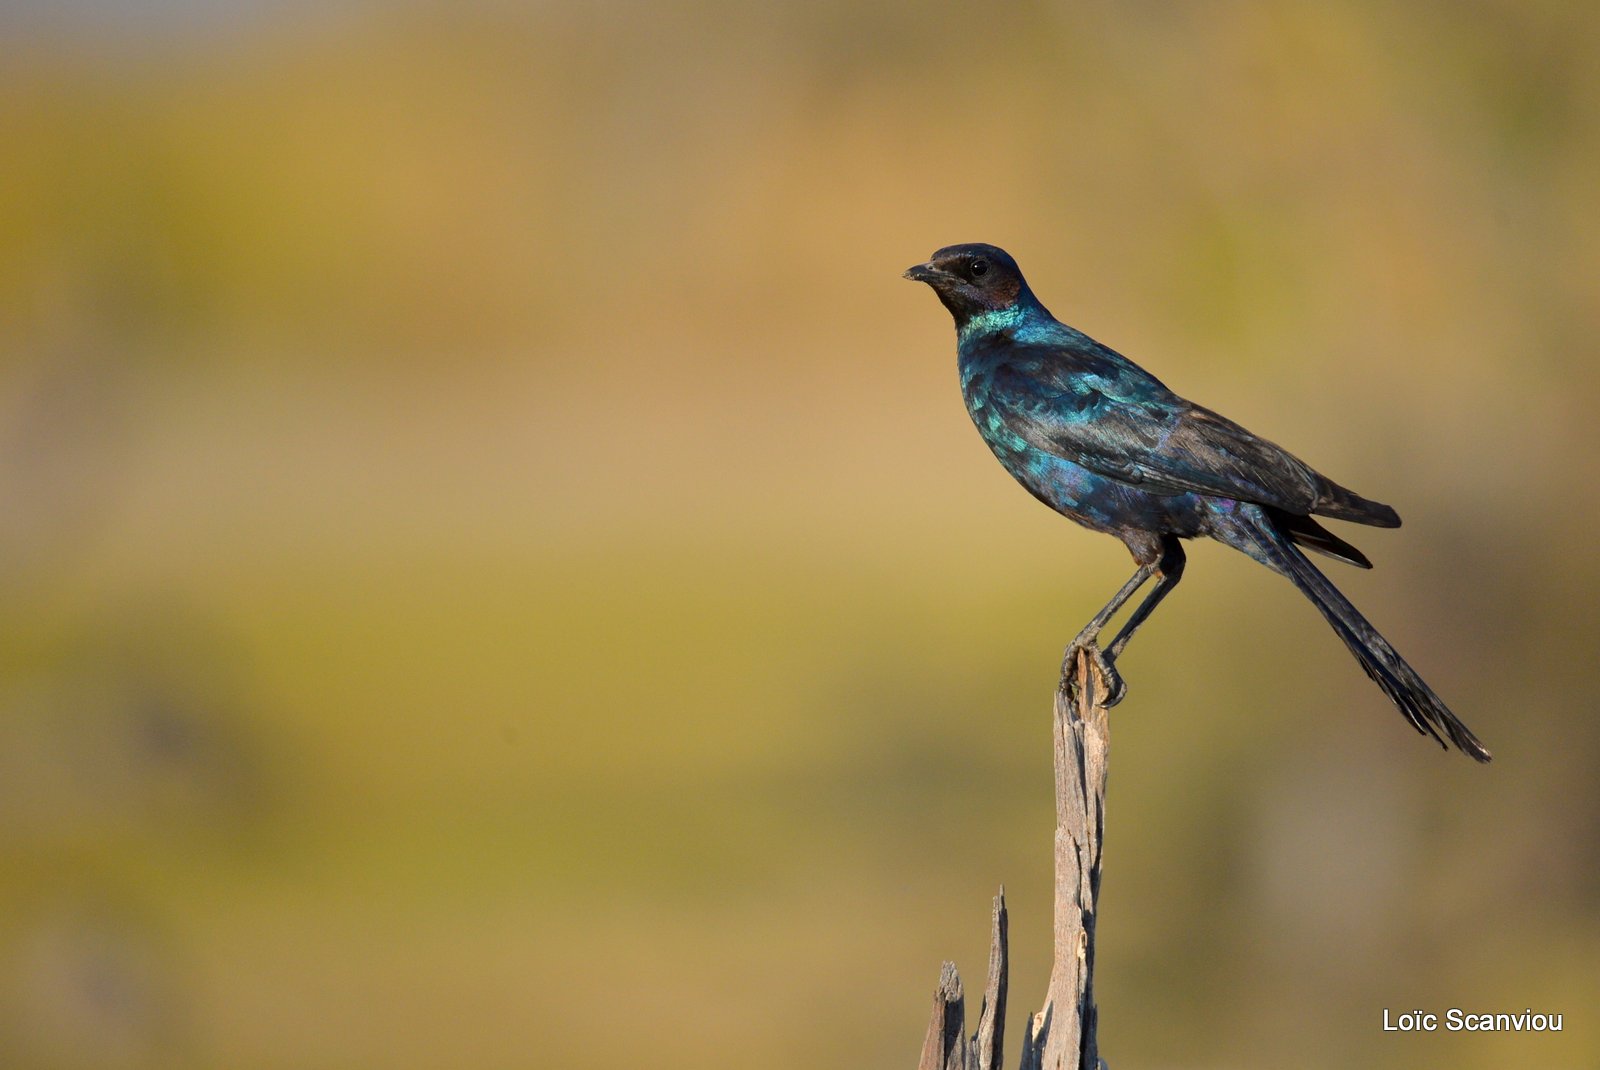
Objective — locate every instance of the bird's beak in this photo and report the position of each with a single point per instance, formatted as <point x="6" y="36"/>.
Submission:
<point x="923" y="273"/>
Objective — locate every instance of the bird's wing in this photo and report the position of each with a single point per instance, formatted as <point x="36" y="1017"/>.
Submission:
<point x="1099" y="410"/>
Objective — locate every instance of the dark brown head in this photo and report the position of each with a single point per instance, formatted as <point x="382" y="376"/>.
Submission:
<point x="973" y="279"/>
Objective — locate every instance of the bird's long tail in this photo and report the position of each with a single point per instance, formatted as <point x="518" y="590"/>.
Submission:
<point x="1426" y="711"/>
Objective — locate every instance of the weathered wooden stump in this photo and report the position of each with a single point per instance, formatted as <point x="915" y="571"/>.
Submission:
<point x="1062" y="1035"/>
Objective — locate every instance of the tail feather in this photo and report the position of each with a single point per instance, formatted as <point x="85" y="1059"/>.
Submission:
<point x="1408" y="691"/>
<point x="1341" y="503"/>
<point x="1313" y="536"/>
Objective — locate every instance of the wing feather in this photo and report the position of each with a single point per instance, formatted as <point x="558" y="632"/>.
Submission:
<point x="1101" y="411"/>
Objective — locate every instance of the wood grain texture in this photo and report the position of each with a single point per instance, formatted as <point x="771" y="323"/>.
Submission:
<point x="1062" y="1036"/>
<point x="988" y="1043"/>
<point x="945" y="1046"/>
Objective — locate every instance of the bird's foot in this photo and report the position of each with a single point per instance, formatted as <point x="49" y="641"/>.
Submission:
<point x="1110" y="680"/>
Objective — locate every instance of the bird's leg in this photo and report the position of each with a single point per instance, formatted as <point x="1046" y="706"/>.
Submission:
<point x="1085" y="640"/>
<point x="1091" y="631"/>
<point x="1169" y="569"/>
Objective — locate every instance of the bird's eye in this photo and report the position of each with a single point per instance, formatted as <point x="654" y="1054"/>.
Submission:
<point x="979" y="268"/>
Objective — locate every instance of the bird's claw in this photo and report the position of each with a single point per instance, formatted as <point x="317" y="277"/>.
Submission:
<point x="1110" y="680"/>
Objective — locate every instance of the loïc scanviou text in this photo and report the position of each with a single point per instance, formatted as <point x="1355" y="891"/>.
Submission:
<point x="1456" y="1020"/>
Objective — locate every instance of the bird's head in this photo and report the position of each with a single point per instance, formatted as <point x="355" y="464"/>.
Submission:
<point x="973" y="280"/>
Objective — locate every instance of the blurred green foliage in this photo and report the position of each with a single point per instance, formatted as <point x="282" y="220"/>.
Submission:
<point x="498" y="574"/>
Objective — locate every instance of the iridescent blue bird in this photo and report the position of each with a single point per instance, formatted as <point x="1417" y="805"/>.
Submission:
<point x="1103" y="442"/>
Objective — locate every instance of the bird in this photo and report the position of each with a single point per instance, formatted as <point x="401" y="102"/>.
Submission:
<point x="1103" y="442"/>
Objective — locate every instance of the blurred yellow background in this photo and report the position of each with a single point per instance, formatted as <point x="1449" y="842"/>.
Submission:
<point x="497" y="573"/>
